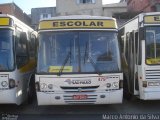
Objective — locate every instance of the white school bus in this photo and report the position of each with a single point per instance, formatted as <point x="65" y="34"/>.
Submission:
<point x="17" y="60"/>
<point x="140" y="43"/>
<point x="78" y="61"/>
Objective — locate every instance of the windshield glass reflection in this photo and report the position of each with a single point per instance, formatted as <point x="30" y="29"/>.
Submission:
<point x="78" y="52"/>
<point x="6" y="50"/>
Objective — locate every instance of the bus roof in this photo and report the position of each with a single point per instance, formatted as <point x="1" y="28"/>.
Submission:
<point x="78" y="22"/>
<point x="150" y="13"/>
<point x="146" y="18"/>
<point x="79" y="17"/>
<point x="9" y="21"/>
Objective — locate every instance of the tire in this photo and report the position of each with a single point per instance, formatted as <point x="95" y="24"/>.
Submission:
<point x="128" y="96"/>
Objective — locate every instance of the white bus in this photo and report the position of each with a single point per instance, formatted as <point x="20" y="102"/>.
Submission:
<point x="78" y="61"/>
<point x="17" y="60"/>
<point x="140" y="43"/>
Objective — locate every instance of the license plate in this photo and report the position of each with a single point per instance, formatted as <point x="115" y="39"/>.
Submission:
<point x="80" y="97"/>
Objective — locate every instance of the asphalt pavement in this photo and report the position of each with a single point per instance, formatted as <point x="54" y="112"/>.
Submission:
<point x="127" y="110"/>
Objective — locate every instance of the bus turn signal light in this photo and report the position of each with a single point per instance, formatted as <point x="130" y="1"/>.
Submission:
<point x="145" y="84"/>
<point x="12" y="83"/>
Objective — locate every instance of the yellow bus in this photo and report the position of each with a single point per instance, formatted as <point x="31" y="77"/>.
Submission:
<point x="78" y="61"/>
<point x="17" y="60"/>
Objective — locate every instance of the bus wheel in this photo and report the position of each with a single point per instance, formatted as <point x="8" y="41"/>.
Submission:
<point x="31" y="91"/>
<point x="128" y="96"/>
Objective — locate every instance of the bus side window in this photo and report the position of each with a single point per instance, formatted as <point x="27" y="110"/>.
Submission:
<point x="131" y="43"/>
<point x="136" y="45"/>
<point x="121" y="39"/>
<point x="127" y="47"/>
<point x="141" y="37"/>
<point x="122" y="43"/>
<point x="32" y="45"/>
<point x="21" y="49"/>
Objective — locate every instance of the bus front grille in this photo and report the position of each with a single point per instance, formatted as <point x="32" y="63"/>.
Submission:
<point x="80" y="89"/>
<point x="153" y="74"/>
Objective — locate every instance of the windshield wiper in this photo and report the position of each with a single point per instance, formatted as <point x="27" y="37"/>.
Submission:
<point x="79" y="56"/>
<point x="86" y="55"/>
<point x="65" y="61"/>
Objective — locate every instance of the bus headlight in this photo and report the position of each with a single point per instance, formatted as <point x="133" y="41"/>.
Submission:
<point x="115" y="84"/>
<point x="12" y="83"/>
<point x="43" y="86"/>
<point x="50" y="86"/>
<point x="108" y="85"/>
<point x="4" y="84"/>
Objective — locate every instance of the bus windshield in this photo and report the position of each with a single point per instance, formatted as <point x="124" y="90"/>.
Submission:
<point x="78" y="52"/>
<point x="6" y="50"/>
<point x="153" y="45"/>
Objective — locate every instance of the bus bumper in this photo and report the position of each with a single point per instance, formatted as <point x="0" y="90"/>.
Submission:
<point x="8" y="96"/>
<point x="108" y="97"/>
<point x="151" y="94"/>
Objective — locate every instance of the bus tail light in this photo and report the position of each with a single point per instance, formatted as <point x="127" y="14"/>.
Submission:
<point x="37" y="86"/>
<point x="12" y="83"/>
<point x="121" y="84"/>
<point x="144" y="83"/>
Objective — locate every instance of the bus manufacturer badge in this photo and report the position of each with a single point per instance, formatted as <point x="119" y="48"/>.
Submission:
<point x="78" y="82"/>
<point x="79" y="89"/>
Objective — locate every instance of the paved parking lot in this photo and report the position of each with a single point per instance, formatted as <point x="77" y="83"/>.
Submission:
<point x="86" y="112"/>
